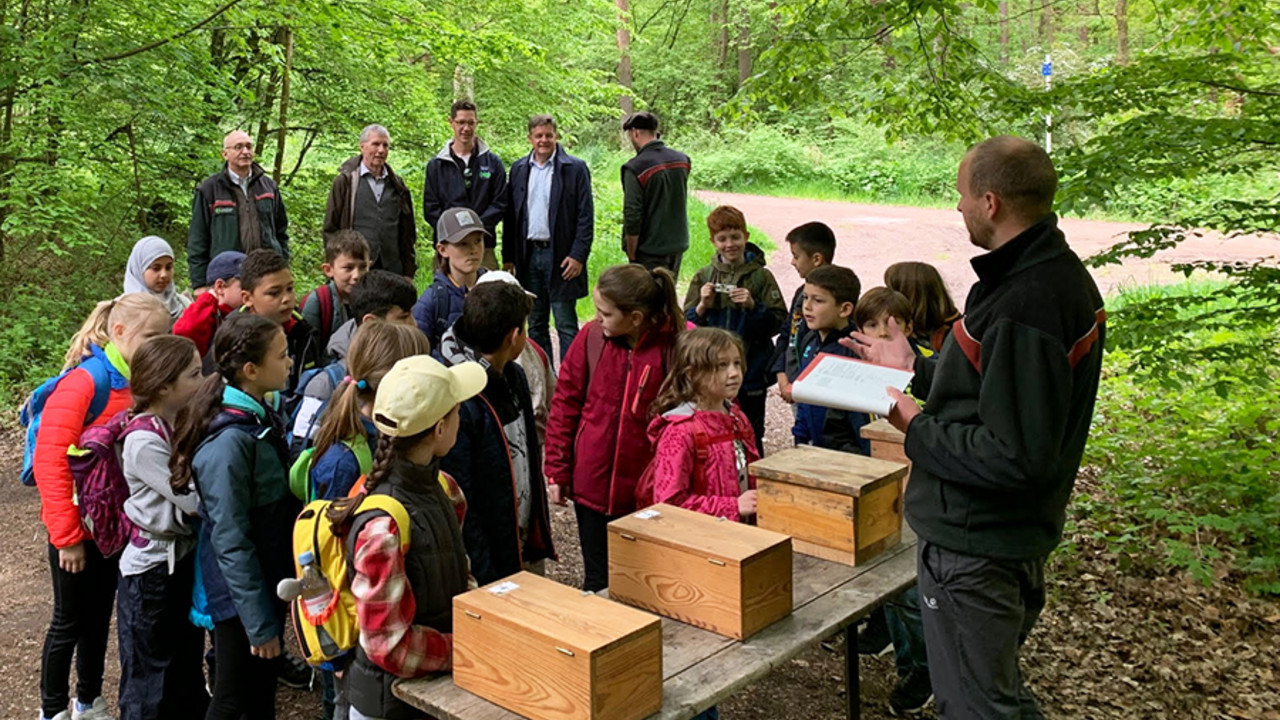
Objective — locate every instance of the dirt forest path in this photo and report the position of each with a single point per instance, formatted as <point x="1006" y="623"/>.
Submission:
<point x="870" y="238"/>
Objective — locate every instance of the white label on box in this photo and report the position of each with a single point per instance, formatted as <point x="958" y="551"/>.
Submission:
<point x="503" y="588"/>
<point x="646" y="514"/>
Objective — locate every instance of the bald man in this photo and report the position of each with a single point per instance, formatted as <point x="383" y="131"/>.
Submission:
<point x="996" y="449"/>
<point x="237" y="208"/>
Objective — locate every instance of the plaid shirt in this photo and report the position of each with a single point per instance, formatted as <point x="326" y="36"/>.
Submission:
<point x="385" y="608"/>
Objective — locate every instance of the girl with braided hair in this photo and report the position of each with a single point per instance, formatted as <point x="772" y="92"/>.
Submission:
<point x="231" y="441"/>
<point x="404" y="601"/>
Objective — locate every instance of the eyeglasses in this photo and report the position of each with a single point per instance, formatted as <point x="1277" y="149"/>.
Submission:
<point x="239" y="146"/>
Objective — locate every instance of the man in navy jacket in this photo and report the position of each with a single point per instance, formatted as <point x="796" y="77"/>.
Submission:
<point x="547" y="231"/>
<point x="465" y="173"/>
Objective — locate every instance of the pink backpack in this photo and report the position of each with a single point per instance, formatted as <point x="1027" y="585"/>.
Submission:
<point x="99" y="478"/>
<point x="702" y="442"/>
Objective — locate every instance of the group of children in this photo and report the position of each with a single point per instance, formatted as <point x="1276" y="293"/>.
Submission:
<point x="252" y="406"/>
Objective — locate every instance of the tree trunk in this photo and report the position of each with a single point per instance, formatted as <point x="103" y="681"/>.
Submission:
<point x="464" y="83"/>
<point x="1122" y="32"/>
<point x="137" y="178"/>
<point x="284" y="105"/>
<point x="744" y="45"/>
<point x="720" y="21"/>
<point x="624" y="57"/>
<point x="1047" y="28"/>
<point x="1004" y="33"/>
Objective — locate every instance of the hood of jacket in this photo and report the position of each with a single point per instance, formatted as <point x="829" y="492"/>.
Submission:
<point x="445" y="154"/>
<point x="716" y="423"/>
<point x="498" y="391"/>
<point x="340" y="341"/>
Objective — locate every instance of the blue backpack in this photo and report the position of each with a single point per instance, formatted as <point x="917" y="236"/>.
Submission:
<point x="33" y="408"/>
<point x="300" y="441"/>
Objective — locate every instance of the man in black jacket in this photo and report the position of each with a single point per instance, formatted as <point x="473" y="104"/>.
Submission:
<point x="237" y="208"/>
<point x="996" y="450"/>
<point x="655" y="191"/>
<point x="547" y="233"/>
<point x="466" y="174"/>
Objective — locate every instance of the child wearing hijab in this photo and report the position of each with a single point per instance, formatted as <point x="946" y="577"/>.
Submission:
<point x="150" y="270"/>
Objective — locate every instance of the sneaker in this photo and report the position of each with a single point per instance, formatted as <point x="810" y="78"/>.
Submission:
<point x="293" y="672"/>
<point x="64" y="715"/>
<point x="911" y="694"/>
<point x="96" y="711"/>
<point x="873" y="637"/>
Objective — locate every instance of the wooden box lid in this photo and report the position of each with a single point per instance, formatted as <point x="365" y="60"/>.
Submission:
<point x="680" y="529"/>
<point x="882" y="430"/>
<point x="584" y="622"/>
<point x="830" y="470"/>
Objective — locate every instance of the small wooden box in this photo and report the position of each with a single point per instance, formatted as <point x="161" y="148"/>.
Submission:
<point x="549" y="652"/>
<point x="723" y="576"/>
<point x="837" y="506"/>
<point x="886" y="441"/>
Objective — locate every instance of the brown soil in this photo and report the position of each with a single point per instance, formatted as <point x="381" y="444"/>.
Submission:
<point x="1110" y="644"/>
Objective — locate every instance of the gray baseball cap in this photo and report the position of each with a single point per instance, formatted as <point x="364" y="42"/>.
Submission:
<point x="457" y="223"/>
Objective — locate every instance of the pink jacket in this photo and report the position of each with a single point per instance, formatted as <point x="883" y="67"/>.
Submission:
<point x="674" y="434"/>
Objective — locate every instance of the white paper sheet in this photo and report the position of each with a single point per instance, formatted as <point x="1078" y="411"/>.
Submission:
<point x="849" y="384"/>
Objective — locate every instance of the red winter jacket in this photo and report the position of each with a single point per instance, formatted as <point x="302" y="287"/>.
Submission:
<point x="716" y="491"/>
<point x="200" y="321"/>
<point x="61" y="424"/>
<point x="596" y="442"/>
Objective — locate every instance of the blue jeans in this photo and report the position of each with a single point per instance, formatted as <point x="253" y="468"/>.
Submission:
<point x="536" y="278"/>
<point x="907" y="631"/>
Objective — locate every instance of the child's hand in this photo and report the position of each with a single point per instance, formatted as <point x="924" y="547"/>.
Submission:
<point x="747" y="503"/>
<point x="742" y="296"/>
<point x="784" y="388"/>
<point x="705" y="295"/>
<point x="268" y="650"/>
<point x="555" y="494"/>
<point x="72" y="559"/>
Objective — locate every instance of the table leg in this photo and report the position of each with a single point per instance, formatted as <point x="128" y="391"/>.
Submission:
<point x="853" y="691"/>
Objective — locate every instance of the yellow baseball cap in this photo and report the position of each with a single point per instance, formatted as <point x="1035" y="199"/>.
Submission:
<point x="418" y="391"/>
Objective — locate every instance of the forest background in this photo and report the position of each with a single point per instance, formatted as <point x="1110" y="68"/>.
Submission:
<point x="1164" y="111"/>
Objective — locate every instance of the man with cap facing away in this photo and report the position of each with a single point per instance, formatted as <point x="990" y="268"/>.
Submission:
<point x="404" y="601"/>
<point x="460" y="241"/>
<point x="369" y="197"/>
<point x="201" y="318"/>
<point x="497" y="460"/>
<point x="655" y="224"/>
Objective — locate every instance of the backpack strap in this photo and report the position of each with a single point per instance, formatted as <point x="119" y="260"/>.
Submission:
<point x="702" y="443"/>
<point x="325" y="295"/>
<point x="360" y="448"/>
<point x="97" y="370"/>
<point x="392" y="507"/>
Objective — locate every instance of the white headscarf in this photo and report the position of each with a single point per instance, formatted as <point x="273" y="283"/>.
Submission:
<point x="146" y="251"/>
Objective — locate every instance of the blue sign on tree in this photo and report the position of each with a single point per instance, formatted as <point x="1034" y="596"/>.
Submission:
<point x="1046" y="69"/>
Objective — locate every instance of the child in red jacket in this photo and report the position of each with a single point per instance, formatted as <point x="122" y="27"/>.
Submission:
<point x="703" y="442"/>
<point x="596" y="442"/>
<point x="84" y="582"/>
<point x="201" y="319"/>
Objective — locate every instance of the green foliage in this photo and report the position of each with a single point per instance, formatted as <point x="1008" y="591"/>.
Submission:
<point x="1193" y="462"/>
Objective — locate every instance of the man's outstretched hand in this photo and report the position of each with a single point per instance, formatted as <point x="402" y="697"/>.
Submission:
<point x="894" y="351"/>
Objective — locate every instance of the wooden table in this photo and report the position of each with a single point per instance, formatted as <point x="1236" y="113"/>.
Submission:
<point x="700" y="668"/>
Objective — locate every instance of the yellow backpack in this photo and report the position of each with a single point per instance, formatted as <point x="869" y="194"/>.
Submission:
<point x="335" y="631"/>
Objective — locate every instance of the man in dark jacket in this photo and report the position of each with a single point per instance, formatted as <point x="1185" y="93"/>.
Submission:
<point x="466" y="174"/>
<point x="547" y="233"/>
<point x="237" y="208"/>
<point x="369" y="197"/>
<point x="497" y="460"/>
<point x="996" y="451"/>
<point x="655" y="225"/>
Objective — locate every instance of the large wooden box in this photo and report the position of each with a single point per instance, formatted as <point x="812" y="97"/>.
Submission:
<point x="726" y="577"/>
<point x="834" y="505"/>
<point x="550" y="652"/>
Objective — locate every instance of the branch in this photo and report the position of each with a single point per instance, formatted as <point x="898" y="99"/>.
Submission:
<point x="1238" y="89"/>
<point x="164" y="41"/>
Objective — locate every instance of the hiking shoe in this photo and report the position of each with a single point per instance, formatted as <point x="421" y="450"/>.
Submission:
<point x="873" y="637"/>
<point x="911" y="694"/>
<point x="293" y="672"/>
<point x="96" y="711"/>
<point x="64" y="715"/>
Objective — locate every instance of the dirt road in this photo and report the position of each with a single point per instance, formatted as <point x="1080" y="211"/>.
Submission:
<point x="870" y="238"/>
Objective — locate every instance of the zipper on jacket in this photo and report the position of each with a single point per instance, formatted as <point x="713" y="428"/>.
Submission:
<point x="617" y="439"/>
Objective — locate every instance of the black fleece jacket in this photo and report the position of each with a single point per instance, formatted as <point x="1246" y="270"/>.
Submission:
<point x="1010" y="399"/>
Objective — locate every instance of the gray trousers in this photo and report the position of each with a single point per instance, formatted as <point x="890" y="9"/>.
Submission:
<point x="977" y="613"/>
